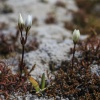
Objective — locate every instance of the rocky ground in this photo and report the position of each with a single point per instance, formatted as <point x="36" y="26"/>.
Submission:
<point x="48" y="29"/>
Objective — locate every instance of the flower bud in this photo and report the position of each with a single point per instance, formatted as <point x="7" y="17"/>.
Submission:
<point x="20" y="22"/>
<point x="28" y="22"/>
<point x="76" y="36"/>
<point x="0" y="72"/>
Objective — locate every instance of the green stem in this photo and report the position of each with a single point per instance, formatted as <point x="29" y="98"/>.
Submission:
<point x="43" y="81"/>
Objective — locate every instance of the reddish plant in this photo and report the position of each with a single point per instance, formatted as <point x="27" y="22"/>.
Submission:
<point x="11" y="83"/>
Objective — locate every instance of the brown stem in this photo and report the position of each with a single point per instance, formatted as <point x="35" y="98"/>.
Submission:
<point x="22" y="62"/>
<point x="21" y="33"/>
<point x="23" y="47"/>
<point x="73" y="54"/>
<point x="26" y="36"/>
<point x="23" y="42"/>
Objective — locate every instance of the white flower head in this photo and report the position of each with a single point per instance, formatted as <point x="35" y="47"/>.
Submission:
<point x="28" y="22"/>
<point x="20" y="21"/>
<point x="0" y="72"/>
<point x="76" y="36"/>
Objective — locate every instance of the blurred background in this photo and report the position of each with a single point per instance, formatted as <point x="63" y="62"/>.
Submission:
<point x="67" y="14"/>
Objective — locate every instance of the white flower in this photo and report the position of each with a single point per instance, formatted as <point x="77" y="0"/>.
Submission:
<point x="0" y="72"/>
<point x="28" y="22"/>
<point x="76" y="36"/>
<point x="20" y="21"/>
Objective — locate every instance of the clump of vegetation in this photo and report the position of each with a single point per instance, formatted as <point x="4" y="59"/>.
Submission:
<point x="51" y="18"/>
<point x="5" y="8"/>
<point x="8" y="43"/>
<point x="88" y="4"/>
<point x="74" y="78"/>
<point x="86" y="19"/>
<point x="61" y="4"/>
<point x="12" y="83"/>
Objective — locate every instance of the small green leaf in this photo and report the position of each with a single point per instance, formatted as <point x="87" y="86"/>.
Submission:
<point x="43" y="81"/>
